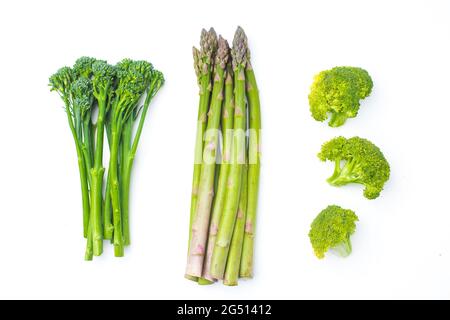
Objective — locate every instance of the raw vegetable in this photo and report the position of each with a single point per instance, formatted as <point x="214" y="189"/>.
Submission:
<point x="200" y="225"/>
<point x="219" y="200"/>
<point x="203" y="65"/>
<point x="253" y="169"/>
<point x="357" y="160"/>
<point x="238" y="158"/>
<point x="114" y="93"/>
<point x="338" y="92"/>
<point x="220" y="237"/>
<point x="331" y="229"/>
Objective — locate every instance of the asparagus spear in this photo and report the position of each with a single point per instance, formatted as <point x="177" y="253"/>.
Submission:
<point x="202" y="280"/>
<point x="200" y="224"/>
<point x="227" y="134"/>
<point x="234" y="256"/>
<point x="203" y="63"/>
<point x="227" y="221"/>
<point x="253" y="170"/>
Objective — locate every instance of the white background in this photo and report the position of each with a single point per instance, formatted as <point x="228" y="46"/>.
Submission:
<point x="402" y="245"/>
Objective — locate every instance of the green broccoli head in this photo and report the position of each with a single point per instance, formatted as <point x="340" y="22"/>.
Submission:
<point x="82" y="95"/>
<point x="338" y="92"/>
<point x="133" y="79"/>
<point x="103" y="77"/>
<point x="364" y="163"/>
<point x="331" y="229"/>
<point x="83" y="67"/>
<point x="61" y="82"/>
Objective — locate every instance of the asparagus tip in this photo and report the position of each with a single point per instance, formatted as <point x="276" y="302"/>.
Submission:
<point x="223" y="53"/>
<point x="239" y="51"/>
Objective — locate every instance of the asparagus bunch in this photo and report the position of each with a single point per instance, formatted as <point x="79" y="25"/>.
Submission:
<point x="223" y="214"/>
<point x="115" y="92"/>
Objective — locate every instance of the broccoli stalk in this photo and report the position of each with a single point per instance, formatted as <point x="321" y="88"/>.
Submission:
<point x="364" y="163"/>
<point x="61" y="82"/>
<point x="103" y="81"/>
<point x="338" y="92"/>
<point x="130" y="145"/>
<point x="331" y="229"/>
<point x="131" y="85"/>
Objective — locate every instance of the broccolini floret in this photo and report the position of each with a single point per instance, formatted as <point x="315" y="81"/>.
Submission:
<point x="357" y="160"/>
<point x="331" y="229"/>
<point x="337" y="92"/>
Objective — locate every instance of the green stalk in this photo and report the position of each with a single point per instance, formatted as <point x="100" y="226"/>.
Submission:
<point x="219" y="200"/>
<point x="125" y="170"/>
<point x="108" y="227"/>
<point x="115" y="188"/>
<point x="200" y="224"/>
<point x="234" y="256"/>
<point x="87" y="140"/>
<point x="203" y="281"/>
<point x="97" y="182"/>
<point x="89" y="245"/>
<point x="238" y="154"/>
<point x="253" y="171"/>
<point x="203" y="60"/>
<point x="130" y="146"/>
<point x="82" y="170"/>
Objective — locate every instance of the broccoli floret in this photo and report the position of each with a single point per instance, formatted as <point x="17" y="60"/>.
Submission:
<point x="83" y="67"/>
<point x="103" y="77"/>
<point x="338" y="92"/>
<point x="61" y="82"/>
<point x="331" y="229"/>
<point x="82" y="95"/>
<point x="364" y="163"/>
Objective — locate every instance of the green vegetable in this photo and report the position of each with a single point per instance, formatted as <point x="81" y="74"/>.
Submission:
<point x="238" y="158"/>
<point x="200" y="225"/>
<point x="357" y="160"/>
<point x="203" y="65"/>
<point x="254" y="165"/>
<point x="221" y="233"/>
<point x="331" y="229"/>
<point x="114" y="92"/>
<point x="235" y="255"/>
<point x="219" y="200"/>
<point x="62" y="82"/>
<point x="338" y="92"/>
<point x="134" y="79"/>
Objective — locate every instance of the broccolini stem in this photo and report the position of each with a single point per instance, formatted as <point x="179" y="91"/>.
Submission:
<point x="88" y="140"/>
<point x="115" y="190"/>
<point x="89" y="245"/>
<point x="108" y="227"/>
<point x="238" y="156"/>
<point x="235" y="254"/>
<point x="83" y="171"/>
<point x="97" y="181"/>
<point x="246" y="270"/>
<point x="125" y="178"/>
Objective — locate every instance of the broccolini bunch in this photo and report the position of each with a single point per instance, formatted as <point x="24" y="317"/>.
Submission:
<point x="98" y="98"/>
